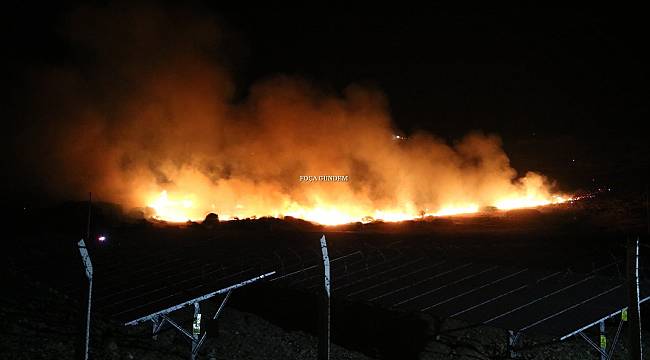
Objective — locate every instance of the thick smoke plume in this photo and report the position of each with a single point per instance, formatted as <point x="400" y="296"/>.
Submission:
<point x="144" y="106"/>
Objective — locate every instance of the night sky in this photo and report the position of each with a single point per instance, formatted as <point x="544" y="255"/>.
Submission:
<point x="564" y="88"/>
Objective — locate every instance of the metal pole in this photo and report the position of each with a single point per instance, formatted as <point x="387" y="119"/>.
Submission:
<point x="90" y="293"/>
<point x="85" y="257"/>
<point x="636" y="352"/>
<point x="324" y="339"/>
<point x="603" y="340"/>
<point x="196" y="330"/>
<point x="513" y="342"/>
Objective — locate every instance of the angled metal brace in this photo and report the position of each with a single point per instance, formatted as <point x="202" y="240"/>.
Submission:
<point x="593" y="344"/>
<point x="195" y="336"/>
<point x="216" y="315"/>
<point x="177" y="326"/>
<point x="221" y="306"/>
<point x="198" y="345"/>
<point x="198" y="299"/>
<point x="615" y="342"/>
<point x="157" y="325"/>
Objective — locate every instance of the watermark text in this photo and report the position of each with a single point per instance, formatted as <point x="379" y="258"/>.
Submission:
<point x="324" y="178"/>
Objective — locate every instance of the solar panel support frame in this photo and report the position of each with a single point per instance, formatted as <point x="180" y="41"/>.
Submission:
<point x="197" y="299"/>
<point x="576" y="332"/>
<point x="157" y="325"/>
<point x="602" y="350"/>
<point x="196" y="338"/>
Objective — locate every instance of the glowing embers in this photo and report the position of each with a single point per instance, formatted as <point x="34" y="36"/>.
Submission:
<point x="529" y="202"/>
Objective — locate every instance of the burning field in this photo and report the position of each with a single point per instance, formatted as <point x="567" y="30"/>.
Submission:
<point x="155" y="122"/>
<point x="387" y="181"/>
<point x="418" y="185"/>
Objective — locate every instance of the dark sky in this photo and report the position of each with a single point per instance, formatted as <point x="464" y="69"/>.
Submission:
<point x="556" y="84"/>
<point x="513" y="72"/>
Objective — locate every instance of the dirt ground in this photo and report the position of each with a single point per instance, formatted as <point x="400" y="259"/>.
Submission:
<point x="39" y="323"/>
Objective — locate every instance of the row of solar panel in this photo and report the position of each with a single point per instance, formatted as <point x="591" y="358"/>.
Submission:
<point x="519" y="299"/>
<point x="134" y="281"/>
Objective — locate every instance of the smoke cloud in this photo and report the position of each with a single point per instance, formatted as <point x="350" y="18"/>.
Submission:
<point x="146" y="105"/>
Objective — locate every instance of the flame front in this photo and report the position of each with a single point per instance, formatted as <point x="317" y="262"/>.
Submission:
<point x="477" y="178"/>
<point x="180" y="208"/>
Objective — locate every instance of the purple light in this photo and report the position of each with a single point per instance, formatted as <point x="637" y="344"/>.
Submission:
<point x="101" y="238"/>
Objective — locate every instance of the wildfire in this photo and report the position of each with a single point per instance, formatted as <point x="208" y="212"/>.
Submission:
<point x="177" y="142"/>
<point x="528" y="202"/>
<point x="183" y="208"/>
<point x="174" y="210"/>
<point x="456" y="210"/>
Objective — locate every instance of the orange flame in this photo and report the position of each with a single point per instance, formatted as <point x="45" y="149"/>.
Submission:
<point x="181" y="208"/>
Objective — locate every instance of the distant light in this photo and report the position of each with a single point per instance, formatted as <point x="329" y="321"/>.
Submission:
<point x="101" y="238"/>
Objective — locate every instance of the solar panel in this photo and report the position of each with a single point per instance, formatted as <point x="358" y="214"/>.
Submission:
<point x="547" y="301"/>
<point x="383" y="270"/>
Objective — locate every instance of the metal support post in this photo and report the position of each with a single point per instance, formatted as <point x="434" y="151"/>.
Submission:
<point x="85" y="257"/>
<point x="634" y="310"/>
<point x="603" y="340"/>
<point x="513" y="343"/>
<point x="324" y="338"/>
<point x="196" y="330"/>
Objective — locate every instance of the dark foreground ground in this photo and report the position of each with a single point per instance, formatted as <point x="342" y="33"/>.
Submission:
<point x="38" y="323"/>
<point x="39" y="310"/>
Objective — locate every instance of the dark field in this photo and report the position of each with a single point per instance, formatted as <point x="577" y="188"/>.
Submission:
<point x="143" y="263"/>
